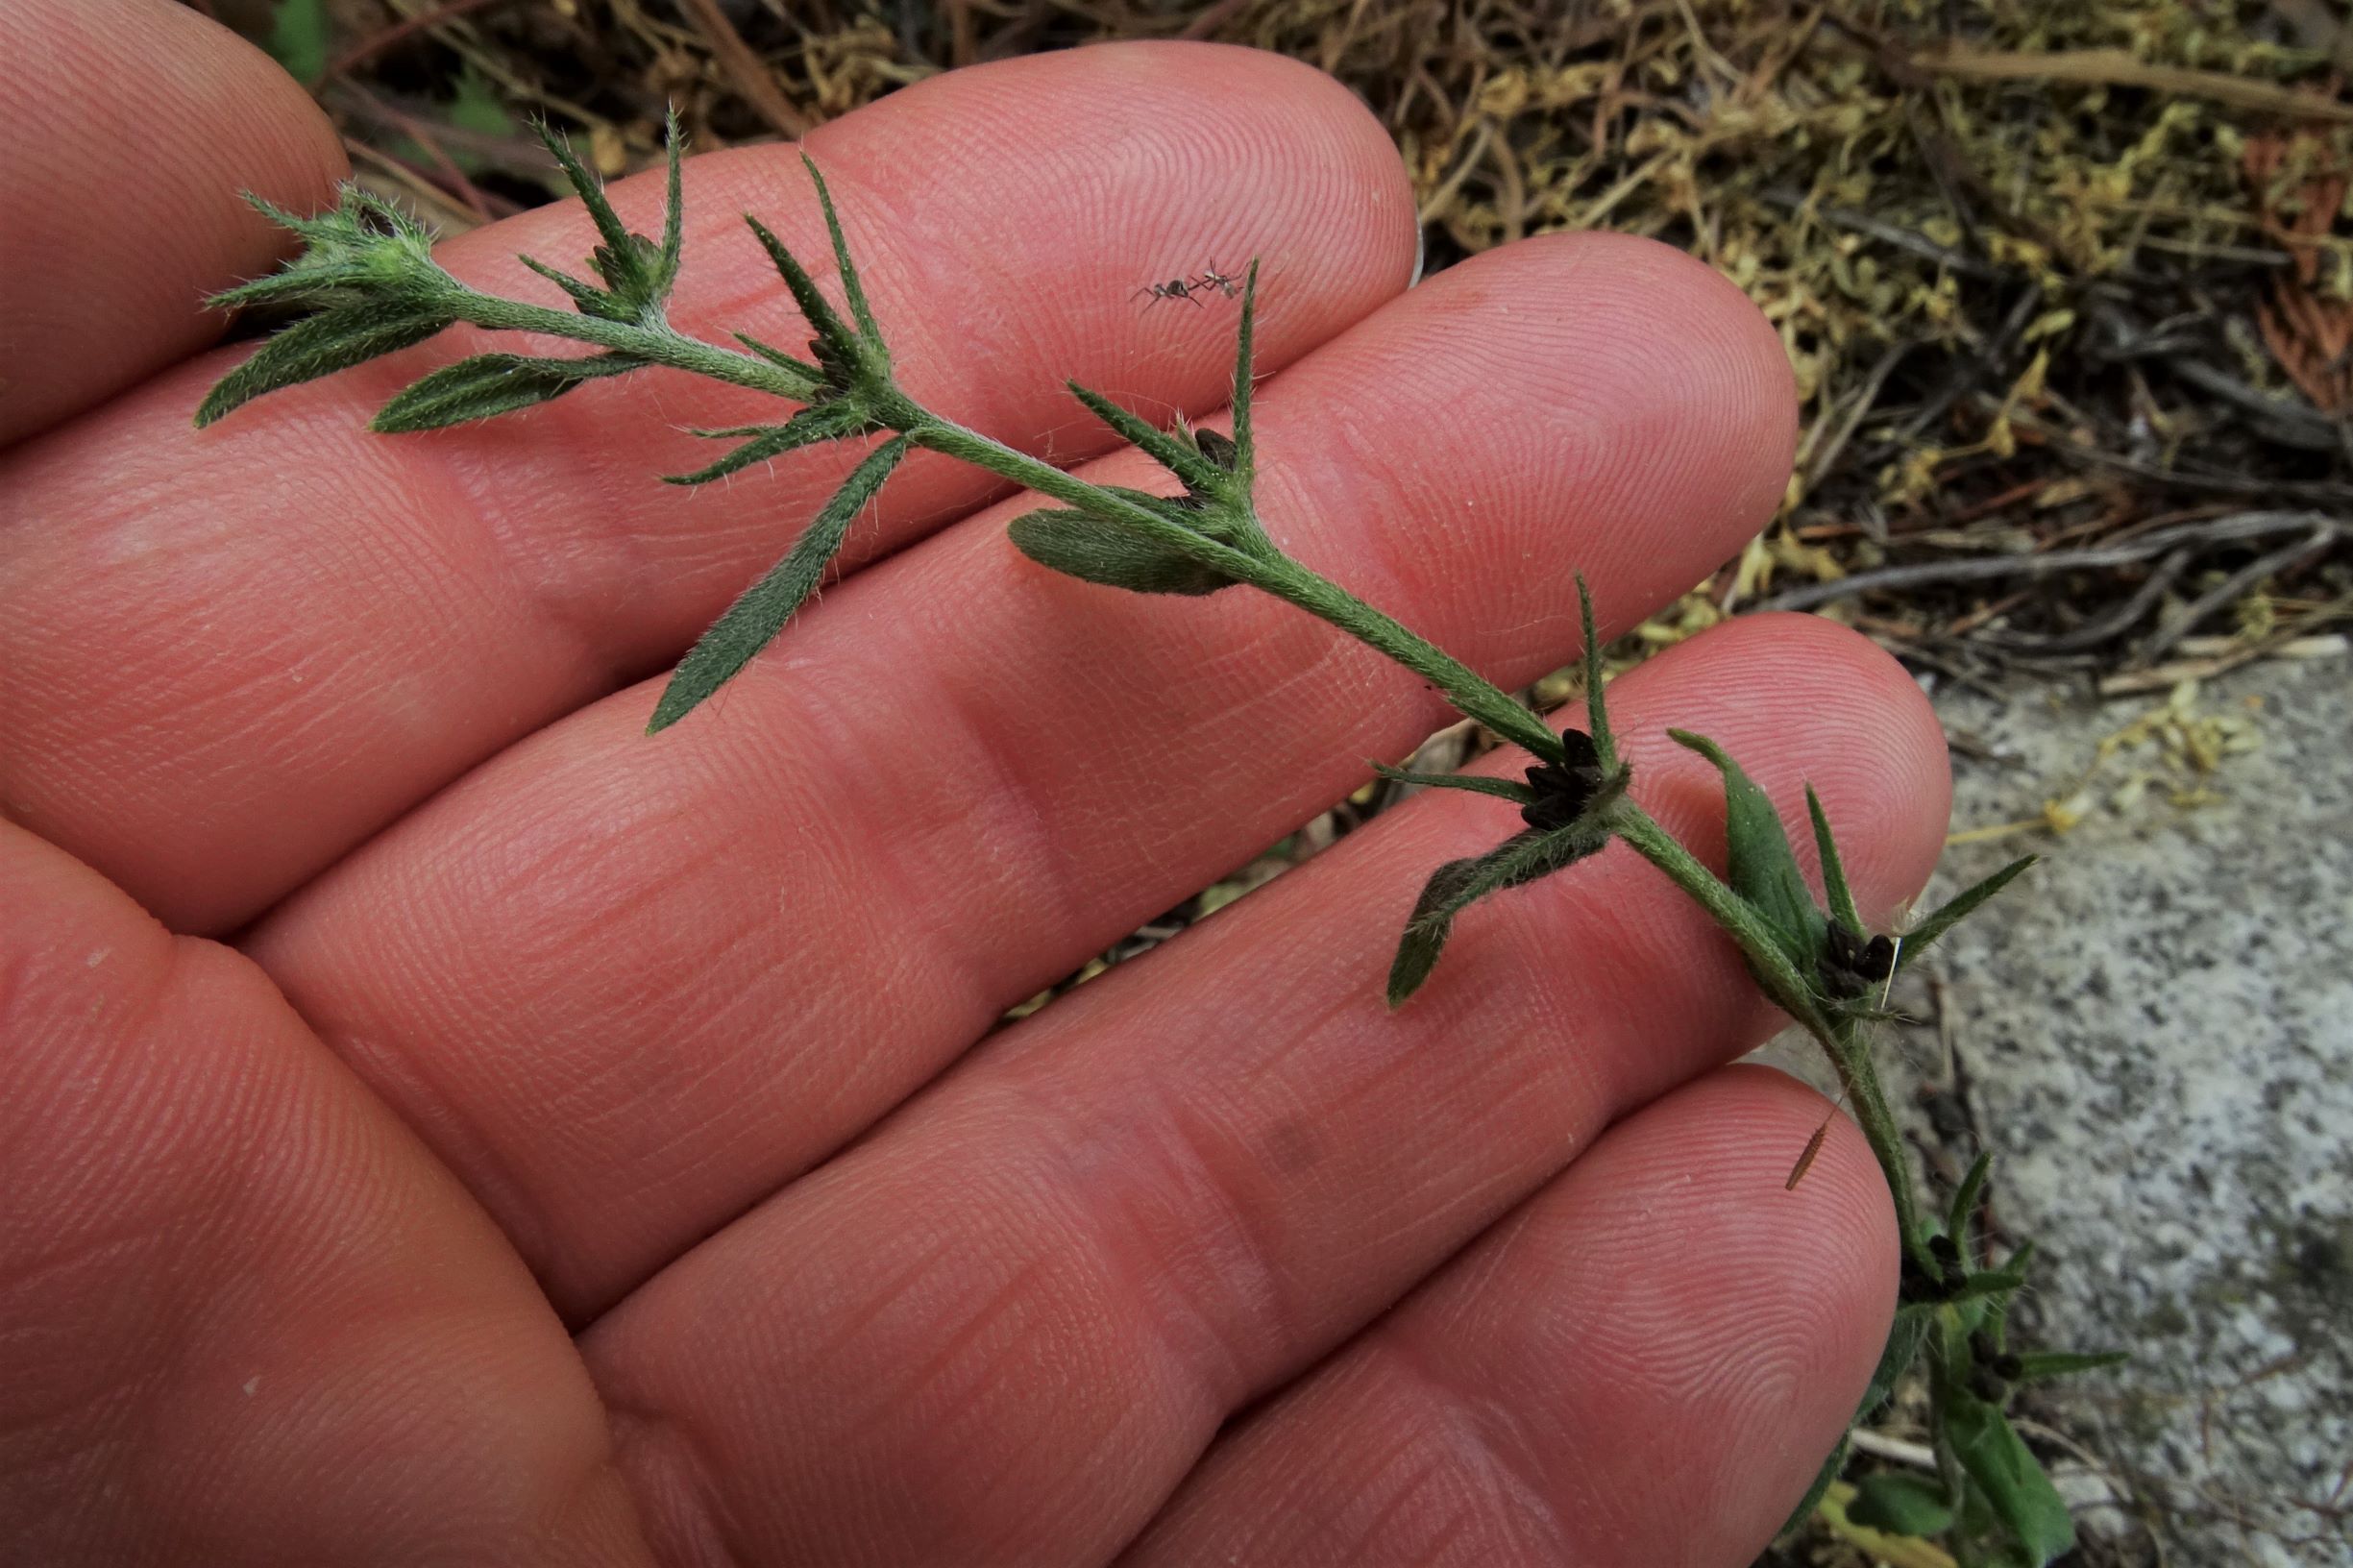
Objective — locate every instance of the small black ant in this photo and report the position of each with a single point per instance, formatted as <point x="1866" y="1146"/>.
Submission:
<point x="1224" y="283"/>
<point x="1175" y="288"/>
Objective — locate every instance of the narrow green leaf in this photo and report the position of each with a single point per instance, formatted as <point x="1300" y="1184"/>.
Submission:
<point x="673" y="197"/>
<point x="490" y="384"/>
<point x="1098" y="551"/>
<point x="752" y="622"/>
<point x="851" y="289"/>
<point x="835" y="345"/>
<point x="1899" y="1503"/>
<point x="2043" y="1365"/>
<point x="1597" y="709"/>
<point x="1762" y="868"/>
<point x="586" y="298"/>
<point x="777" y="356"/>
<point x="818" y="422"/>
<point x="1959" y="1218"/>
<point x="1998" y="1460"/>
<point x="1829" y="1472"/>
<point x="1244" y="465"/>
<point x="1917" y="941"/>
<point x="320" y="345"/>
<point x="1502" y="789"/>
<point x="2006" y="1281"/>
<point x="1188" y="463"/>
<point x="1904" y="1336"/>
<point x="1833" y="870"/>
<point x="591" y="191"/>
<point x="1457" y="884"/>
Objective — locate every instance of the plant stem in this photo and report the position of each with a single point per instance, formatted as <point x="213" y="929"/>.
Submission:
<point x="1849" y="1057"/>
<point x="655" y="345"/>
<point x="1471" y="694"/>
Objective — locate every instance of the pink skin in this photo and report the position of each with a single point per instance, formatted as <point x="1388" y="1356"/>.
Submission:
<point x="583" y="1155"/>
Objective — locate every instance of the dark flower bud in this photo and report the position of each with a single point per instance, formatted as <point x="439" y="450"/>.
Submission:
<point x="1564" y="789"/>
<point x="1851" y="965"/>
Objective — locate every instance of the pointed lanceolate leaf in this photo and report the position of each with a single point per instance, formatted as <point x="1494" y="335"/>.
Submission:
<point x="673" y="197"/>
<point x="1244" y="465"/>
<point x="1597" y="708"/>
<point x="490" y="384"/>
<point x="1762" y="870"/>
<point x="1918" y="939"/>
<point x="1960" y="1219"/>
<point x="1457" y="885"/>
<point x="586" y="298"/>
<point x="1188" y="464"/>
<point x="2043" y="1365"/>
<point x="1502" y="789"/>
<point x="588" y="185"/>
<point x="818" y="422"/>
<point x="1098" y="551"/>
<point x="851" y="289"/>
<point x="834" y="343"/>
<point x="1998" y="1460"/>
<point x="752" y="622"/>
<point x="1834" y="887"/>
<point x="320" y="345"/>
<point x="777" y="356"/>
<point x="1899" y="1503"/>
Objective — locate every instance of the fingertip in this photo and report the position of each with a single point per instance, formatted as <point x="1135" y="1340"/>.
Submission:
<point x="166" y="116"/>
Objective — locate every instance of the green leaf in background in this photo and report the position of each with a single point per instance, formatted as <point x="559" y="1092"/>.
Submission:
<point x="1762" y="868"/>
<point x="1457" y="885"/>
<point x="2043" y="1365"/>
<point x="1899" y="1503"/>
<point x="1092" y="550"/>
<point x="490" y="384"/>
<point x="475" y="106"/>
<point x="2006" y="1471"/>
<point x="320" y="345"/>
<point x="298" y="37"/>
<point x="752" y="622"/>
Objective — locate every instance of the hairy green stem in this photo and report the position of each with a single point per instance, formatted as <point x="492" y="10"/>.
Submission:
<point x="1470" y="693"/>
<point x="655" y="345"/>
<point x="1849" y="1057"/>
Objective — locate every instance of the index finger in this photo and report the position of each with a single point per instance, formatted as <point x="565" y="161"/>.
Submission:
<point x="242" y="651"/>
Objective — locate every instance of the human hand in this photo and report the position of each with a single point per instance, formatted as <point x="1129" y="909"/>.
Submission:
<point x="546" y="1144"/>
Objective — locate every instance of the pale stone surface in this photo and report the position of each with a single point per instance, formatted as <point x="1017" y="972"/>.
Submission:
<point x="2155" y="1032"/>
